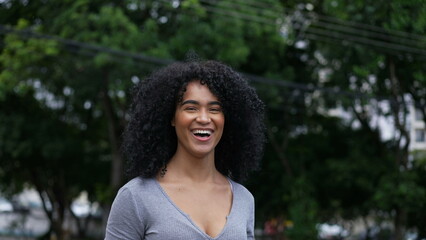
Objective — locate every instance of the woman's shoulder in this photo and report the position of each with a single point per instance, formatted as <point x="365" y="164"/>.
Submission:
<point x="239" y="189"/>
<point x="138" y="185"/>
<point x="142" y="193"/>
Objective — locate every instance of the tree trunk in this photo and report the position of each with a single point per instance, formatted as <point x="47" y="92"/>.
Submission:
<point x="113" y="134"/>
<point x="116" y="174"/>
<point x="399" y="106"/>
<point x="55" y="216"/>
<point x="400" y="221"/>
<point x="280" y="149"/>
<point x="82" y="224"/>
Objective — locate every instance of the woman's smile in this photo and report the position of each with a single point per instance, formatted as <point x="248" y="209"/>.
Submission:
<point x="202" y="134"/>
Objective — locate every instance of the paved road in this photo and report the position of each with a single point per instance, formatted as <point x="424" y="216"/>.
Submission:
<point x="34" y="223"/>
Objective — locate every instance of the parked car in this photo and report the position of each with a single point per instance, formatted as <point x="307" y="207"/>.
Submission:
<point x="5" y="205"/>
<point x="331" y="232"/>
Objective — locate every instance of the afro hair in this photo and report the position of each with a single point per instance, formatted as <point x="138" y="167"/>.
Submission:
<point x="149" y="141"/>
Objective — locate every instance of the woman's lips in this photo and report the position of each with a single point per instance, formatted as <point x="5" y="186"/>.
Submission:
<point x="202" y="135"/>
<point x="202" y="138"/>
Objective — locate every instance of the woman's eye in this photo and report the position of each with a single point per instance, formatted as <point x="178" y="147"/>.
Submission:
<point x="215" y="110"/>
<point x="191" y="109"/>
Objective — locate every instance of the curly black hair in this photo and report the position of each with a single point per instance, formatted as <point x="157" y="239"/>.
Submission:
<point x="149" y="141"/>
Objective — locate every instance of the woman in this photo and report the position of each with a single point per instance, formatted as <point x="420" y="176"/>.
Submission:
<point x="195" y="128"/>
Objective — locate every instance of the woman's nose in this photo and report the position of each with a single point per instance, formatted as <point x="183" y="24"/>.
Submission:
<point x="203" y="117"/>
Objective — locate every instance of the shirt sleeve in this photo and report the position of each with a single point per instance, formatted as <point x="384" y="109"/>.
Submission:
<point x="124" y="221"/>
<point x="250" y="222"/>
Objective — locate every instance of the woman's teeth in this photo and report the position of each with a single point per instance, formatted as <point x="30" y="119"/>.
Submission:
<point x="202" y="133"/>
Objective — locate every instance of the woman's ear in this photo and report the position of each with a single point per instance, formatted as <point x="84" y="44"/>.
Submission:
<point x="173" y="122"/>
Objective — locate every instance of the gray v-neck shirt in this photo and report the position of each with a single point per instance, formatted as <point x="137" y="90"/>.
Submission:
<point x="142" y="210"/>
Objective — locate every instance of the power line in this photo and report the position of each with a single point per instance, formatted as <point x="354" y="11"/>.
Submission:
<point x="349" y="30"/>
<point x="315" y="16"/>
<point x="375" y="43"/>
<point x="263" y="12"/>
<point x="97" y="48"/>
<point x="233" y="13"/>
<point x="138" y="57"/>
<point x="240" y="15"/>
<point x="364" y="41"/>
<point x="320" y="34"/>
<point x="374" y="30"/>
<point x="250" y="3"/>
<point x="307" y="87"/>
<point x="358" y="25"/>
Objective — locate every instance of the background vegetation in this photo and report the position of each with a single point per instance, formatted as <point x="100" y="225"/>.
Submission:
<point x="66" y="68"/>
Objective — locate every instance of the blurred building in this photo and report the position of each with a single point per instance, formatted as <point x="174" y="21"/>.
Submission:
<point x="415" y="124"/>
<point x="417" y="129"/>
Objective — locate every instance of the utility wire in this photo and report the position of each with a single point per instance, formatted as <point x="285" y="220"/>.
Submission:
<point x="371" y="28"/>
<point x="240" y="15"/>
<point x="255" y="4"/>
<point x="97" y="48"/>
<point x="325" y="37"/>
<point x="366" y="41"/>
<point x="362" y="36"/>
<point x="232" y="13"/>
<point x="262" y="12"/>
<point x="261" y="5"/>
<point x="138" y="57"/>
<point x="324" y="34"/>
<point x="308" y="87"/>
<point x="361" y="32"/>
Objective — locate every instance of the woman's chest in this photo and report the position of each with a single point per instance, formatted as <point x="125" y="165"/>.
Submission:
<point x="181" y="227"/>
<point x="165" y="219"/>
<point x="208" y="210"/>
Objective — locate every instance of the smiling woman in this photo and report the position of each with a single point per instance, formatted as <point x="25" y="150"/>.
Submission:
<point x="199" y="122"/>
<point x="196" y="129"/>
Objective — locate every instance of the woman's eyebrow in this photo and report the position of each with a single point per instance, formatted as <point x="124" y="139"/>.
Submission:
<point x="197" y="103"/>
<point x="190" y="102"/>
<point x="215" y="103"/>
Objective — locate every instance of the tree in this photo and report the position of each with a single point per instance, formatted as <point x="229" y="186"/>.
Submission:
<point x="73" y="74"/>
<point x="54" y="76"/>
<point x="379" y="62"/>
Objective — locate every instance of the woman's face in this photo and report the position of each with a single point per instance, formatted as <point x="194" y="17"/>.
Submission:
<point x="198" y="121"/>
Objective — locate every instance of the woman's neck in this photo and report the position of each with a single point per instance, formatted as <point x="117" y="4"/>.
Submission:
<point x="187" y="167"/>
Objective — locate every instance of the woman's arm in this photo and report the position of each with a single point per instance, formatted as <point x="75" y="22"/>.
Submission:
<point x="250" y="222"/>
<point x="124" y="221"/>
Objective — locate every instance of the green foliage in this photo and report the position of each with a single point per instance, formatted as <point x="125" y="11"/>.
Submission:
<point x="150" y="41"/>
<point x="30" y="50"/>
<point x="303" y="211"/>
<point x="392" y="186"/>
<point x="400" y="189"/>
<point x="41" y="150"/>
